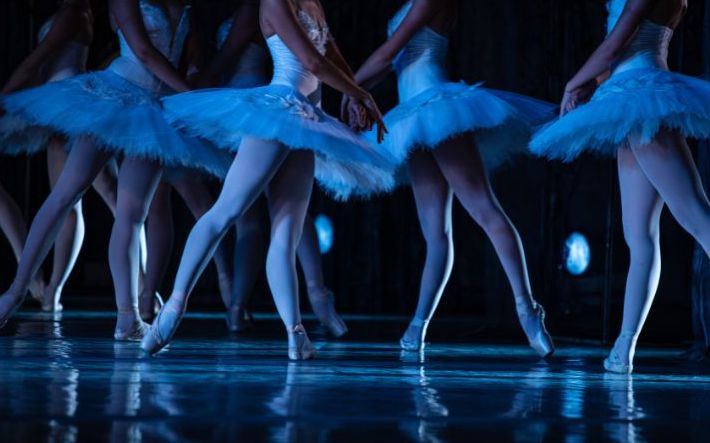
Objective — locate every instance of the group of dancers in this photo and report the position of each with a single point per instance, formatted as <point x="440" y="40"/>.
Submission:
<point x="226" y="119"/>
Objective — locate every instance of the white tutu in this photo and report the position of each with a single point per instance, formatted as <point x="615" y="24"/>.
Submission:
<point x="502" y="122"/>
<point x="639" y="99"/>
<point x="16" y="137"/>
<point x="637" y="102"/>
<point x="433" y="109"/>
<point x="122" y="117"/>
<point x="345" y="163"/>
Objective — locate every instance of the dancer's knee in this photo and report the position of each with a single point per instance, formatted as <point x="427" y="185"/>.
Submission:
<point x="437" y="237"/>
<point x="132" y="214"/>
<point x="63" y="201"/>
<point x="286" y="236"/>
<point x="76" y="211"/>
<point x="642" y="245"/>
<point x="487" y="213"/>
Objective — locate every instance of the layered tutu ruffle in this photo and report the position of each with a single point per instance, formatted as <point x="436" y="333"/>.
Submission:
<point x="122" y="117"/>
<point x="17" y="137"/>
<point x="346" y="164"/>
<point x="502" y="122"/>
<point x="638" y="103"/>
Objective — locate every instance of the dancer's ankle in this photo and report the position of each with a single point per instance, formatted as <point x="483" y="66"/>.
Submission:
<point x="53" y="290"/>
<point x="420" y="322"/>
<point x="128" y="311"/>
<point x="177" y="302"/>
<point x="296" y="327"/>
<point x="628" y="335"/>
<point x="525" y="304"/>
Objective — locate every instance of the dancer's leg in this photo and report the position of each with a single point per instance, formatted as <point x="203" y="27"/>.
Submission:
<point x="321" y="298"/>
<point x="137" y="181"/>
<point x="160" y="237"/>
<point x="83" y="164"/>
<point x="13" y="225"/>
<point x="433" y="198"/>
<point x="70" y="236"/>
<point x="289" y="195"/>
<point x="461" y="164"/>
<point x="105" y="184"/>
<point x="309" y="257"/>
<point x="198" y="199"/>
<point x="669" y="166"/>
<point x="641" y="207"/>
<point x="257" y="162"/>
<point x="249" y="258"/>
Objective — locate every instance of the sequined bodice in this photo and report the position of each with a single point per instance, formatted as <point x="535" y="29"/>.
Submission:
<point x="160" y="31"/>
<point x="252" y="64"/>
<point x="422" y="62"/>
<point x="288" y="69"/>
<point x="649" y="46"/>
<point x="69" y="60"/>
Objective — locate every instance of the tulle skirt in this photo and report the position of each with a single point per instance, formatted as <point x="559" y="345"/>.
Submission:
<point x="501" y="122"/>
<point x="637" y="102"/>
<point x="120" y="116"/>
<point x="346" y="165"/>
<point x="17" y="137"/>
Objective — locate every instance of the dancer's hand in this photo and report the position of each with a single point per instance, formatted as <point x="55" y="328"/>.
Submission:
<point x="358" y="118"/>
<point x="575" y="97"/>
<point x="375" y="116"/>
<point x="354" y="114"/>
<point x="567" y="103"/>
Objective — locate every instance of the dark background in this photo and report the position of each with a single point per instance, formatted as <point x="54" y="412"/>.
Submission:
<point x="529" y="47"/>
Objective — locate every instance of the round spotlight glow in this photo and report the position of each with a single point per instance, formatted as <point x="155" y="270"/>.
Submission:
<point x="577" y="254"/>
<point x="325" y="232"/>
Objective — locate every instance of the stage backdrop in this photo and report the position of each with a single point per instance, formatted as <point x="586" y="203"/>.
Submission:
<point x="374" y="266"/>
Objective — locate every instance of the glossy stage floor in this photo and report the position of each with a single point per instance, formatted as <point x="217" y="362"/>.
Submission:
<point x="68" y="381"/>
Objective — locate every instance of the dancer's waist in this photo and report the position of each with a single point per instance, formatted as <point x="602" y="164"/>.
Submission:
<point x="305" y="83"/>
<point x="64" y="73"/>
<point x="138" y="74"/>
<point x="417" y="78"/>
<point x="641" y="60"/>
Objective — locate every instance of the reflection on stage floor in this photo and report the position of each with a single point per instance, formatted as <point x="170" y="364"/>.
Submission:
<point x="66" y="381"/>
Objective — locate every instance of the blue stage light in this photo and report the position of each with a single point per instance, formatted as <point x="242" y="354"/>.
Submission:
<point x="324" y="229"/>
<point x="577" y="254"/>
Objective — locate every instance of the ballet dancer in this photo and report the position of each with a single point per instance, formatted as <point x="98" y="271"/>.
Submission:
<point x="249" y="70"/>
<point x="642" y="114"/>
<point x="442" y="130"/>
<point x="61" y="53"/>
<point x="107" y="113"/>
<point x="282" y="138"/>
<point x="239" y="39"/>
